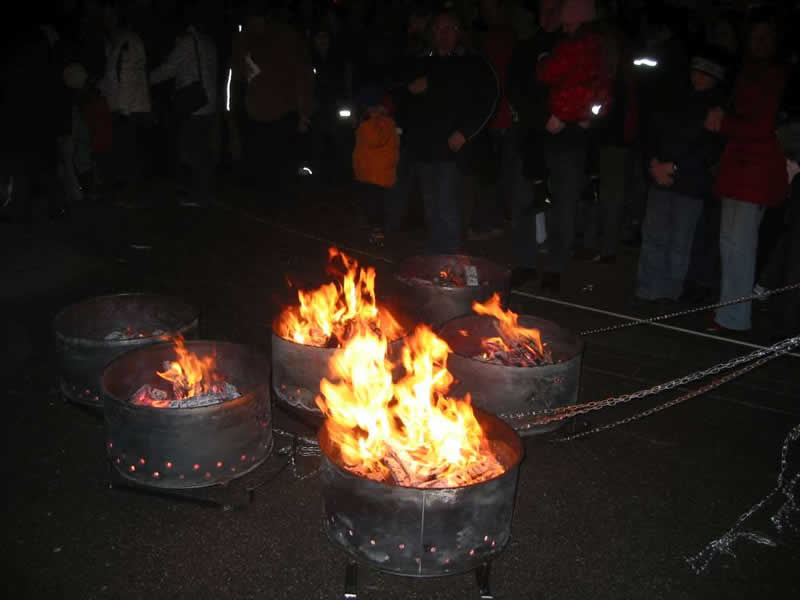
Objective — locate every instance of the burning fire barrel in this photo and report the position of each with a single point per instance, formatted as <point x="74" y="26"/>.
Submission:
<point x="416" y="531"/>
<point x="92" y="333"/>
<point x="187" y="442"/>
<point x="436" y="288"/>
<point x="513" y="392"/>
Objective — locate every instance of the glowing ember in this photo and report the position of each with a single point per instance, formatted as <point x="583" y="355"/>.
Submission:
<point x="195" y="382"/>
<point x="516" y="346"/>
<point x="450" y="275"/>
<point x="327" y="316"/>
<point x="408" y="432"/>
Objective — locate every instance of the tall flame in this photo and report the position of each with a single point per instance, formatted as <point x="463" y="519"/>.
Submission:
<point x="408" y="431"/>
<point x="329" y="313"/>
<point x="511" y="333"/>
<point x="190" y="375"/>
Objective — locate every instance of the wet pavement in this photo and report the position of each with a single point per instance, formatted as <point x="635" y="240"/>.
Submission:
<point x="613" y="515"/>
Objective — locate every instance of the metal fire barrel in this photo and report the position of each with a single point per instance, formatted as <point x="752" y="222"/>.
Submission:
<point x="297" y="370"/>
<point x="514" y="393"/>
<point x="416" y="287"/>
<point x="81" y="329"/>
<point x="422" y="532"/>
<point x="188" y="447"/>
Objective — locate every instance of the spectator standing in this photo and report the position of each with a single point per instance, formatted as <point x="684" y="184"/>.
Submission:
<point x="125" y="87"/>
<point x="752" y="171"/>
<point x="193" y="59"/>
<point x="531" y="130"/>
<point x="577" y="77"/>
<point x="681" y="159"/>
<point x="497" y="44"/>
<point x="273" y="61"/>
<point x="454" y="96"/>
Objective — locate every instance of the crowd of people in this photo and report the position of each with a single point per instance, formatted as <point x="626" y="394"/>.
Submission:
<point x="583" y="125"/>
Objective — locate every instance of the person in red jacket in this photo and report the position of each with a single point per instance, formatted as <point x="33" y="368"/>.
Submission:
<point x="577" y="73"/>
<point x="752" y="170"/>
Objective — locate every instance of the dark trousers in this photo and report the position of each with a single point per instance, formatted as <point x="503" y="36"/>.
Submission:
<point x="496" y="185"/>
<point x="566" y="160"/>
<point x="441" y="184"/>
<point x="371" y="200"/>
<point x="605" y="217"/>
<point x="127" y="163"/>
<point x="199" y="152"/>
<point x="270" y="155"/>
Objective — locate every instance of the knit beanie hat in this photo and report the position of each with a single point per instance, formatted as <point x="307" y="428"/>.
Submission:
<point x="708" y="63"/>
<point x="75" y="76"/>
<point x="577" y="11"/>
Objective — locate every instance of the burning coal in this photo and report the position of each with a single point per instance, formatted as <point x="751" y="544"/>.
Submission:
<point x="129" y="333"/>
<point x="194" y="382"/>
<point x="515" y="346"/>
<point x="406" y="432"/>
<point x="328" y="316"/>
<point x="453" y="274"/>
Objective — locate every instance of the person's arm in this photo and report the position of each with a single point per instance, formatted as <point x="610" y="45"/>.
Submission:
<point x="483" y="93"/>
<point x="172" y="64"/>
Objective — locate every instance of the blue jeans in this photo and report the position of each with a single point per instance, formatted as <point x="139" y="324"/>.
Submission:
<point x="738" y="243"/>
<point x="440" y="183"/>
<point x="667" y="234"/>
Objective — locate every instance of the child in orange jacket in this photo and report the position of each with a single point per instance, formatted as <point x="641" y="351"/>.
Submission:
<point x="375" y="156"/>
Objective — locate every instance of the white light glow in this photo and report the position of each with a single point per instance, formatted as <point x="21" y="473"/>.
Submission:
<point x="596" y="109"/>
<point x="645" y="62"/>
<point x="344" y="113"/>
<point x="240" y="28"/>
<point x="228" y="91"/>
<point x="315" y="70"/>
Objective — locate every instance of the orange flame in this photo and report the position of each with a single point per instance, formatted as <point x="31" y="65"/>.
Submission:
<point x="189" y="375"/>
<point x="408" y="431"/>
<point x="511" y="333"/>
<point x="331" y="311"/>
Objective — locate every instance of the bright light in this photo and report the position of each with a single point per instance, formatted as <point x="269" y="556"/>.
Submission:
<point x="645" y="62"/>
<point x="304" y="170"/>
<point x="315" y="70"/>
<point x="596" y="109"/>
<point x="228" y="91"/>
<point x="344" y="113"/>
<point x="240" y="28"/>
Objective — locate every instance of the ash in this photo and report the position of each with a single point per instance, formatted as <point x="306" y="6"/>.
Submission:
<point x="129" y="334"/>
<point x="149" y="395"/>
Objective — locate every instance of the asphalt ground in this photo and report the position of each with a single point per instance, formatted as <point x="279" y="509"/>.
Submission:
<point x="613" y="515"/>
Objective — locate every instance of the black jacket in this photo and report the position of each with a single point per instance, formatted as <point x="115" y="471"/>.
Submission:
<point x="462" y="95"/>
<point x="678" y="135"/>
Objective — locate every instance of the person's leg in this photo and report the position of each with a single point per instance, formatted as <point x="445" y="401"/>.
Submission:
<point x="523" y="217"/>
<point x="738" y="243"/>
<point x="396" y="208"/>
<point x="685" y="214"/>
<point x="488" y="209"/>
<point x="613" y="163"/>
<point x="448" y="235"/>
<point x="427" y="185"/>
<point x="653" y="272"/>
<point x="566" y="159"/>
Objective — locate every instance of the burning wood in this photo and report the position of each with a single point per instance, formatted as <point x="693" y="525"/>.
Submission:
<point x="452" y="275"/>
<point x="149" y="395"/>
<point x="130" y="334"/>
<point x="326" y="317"/>
<point x="407" y="432"/>
<point x="516" y="346"/>
<point x="195" y="382"/>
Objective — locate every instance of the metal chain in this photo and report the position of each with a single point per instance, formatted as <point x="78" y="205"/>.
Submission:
<point x="541" y="417"/>
<point x="299" y="445"/>
<point x="692" y="394"/>
<point x="689" y="311"/>
<point x="723" y="545"/>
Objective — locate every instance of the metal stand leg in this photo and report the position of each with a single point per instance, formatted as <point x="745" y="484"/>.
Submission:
<point x="482" y="578"/>
<point x="351" y="581"/>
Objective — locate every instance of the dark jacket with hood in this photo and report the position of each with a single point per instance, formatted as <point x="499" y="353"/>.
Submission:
<point x="678" y="135"/>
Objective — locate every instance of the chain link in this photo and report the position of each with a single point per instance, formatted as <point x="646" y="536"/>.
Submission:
<point x="696" y="309"/>
<point x="542" y="417"/>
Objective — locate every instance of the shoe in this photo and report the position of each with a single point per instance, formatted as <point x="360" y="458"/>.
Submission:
<point x="551" y="282"/>
<point x="714" y="327"/>
<point x="522" y="275"/>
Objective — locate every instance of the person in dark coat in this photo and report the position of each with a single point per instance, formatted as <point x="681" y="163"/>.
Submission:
<point x="453" y="95"/>
<point x="681" y="159"/>
<point x="752" y="171"/>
